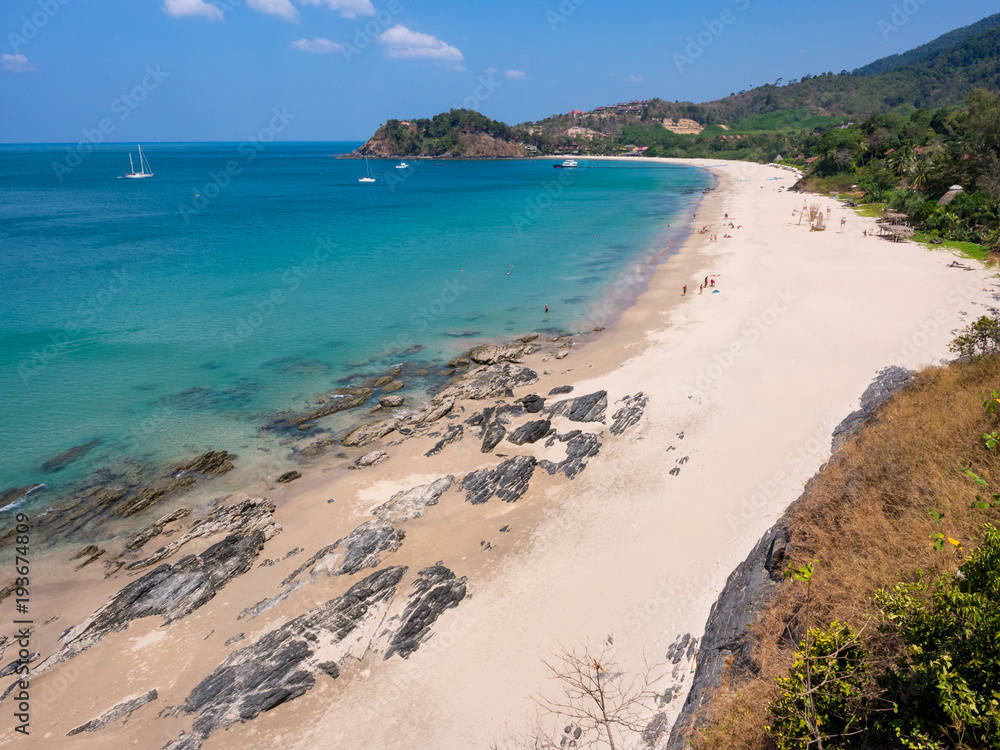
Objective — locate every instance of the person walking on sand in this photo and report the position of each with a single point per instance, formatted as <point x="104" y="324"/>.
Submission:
<point x="701" y="289"/>
<point x="684" y="291"/>
<point x="706" y="280"/>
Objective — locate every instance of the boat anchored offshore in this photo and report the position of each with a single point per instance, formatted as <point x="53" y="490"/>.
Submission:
<point x="369" y="177"/>
<point x="568" y="164"/>
<point x="402" y="165"/>
<point x="145" y="170"/>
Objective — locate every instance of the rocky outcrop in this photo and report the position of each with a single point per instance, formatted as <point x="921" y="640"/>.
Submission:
<point x="887" y="382"/>
<point x="579" y="447"/>
<point x="248" y="517"/>
<point x="631" y="411"/>
<point x="139" y="539"/>
<point x="589" y="408"/>
<point x="530" y="432"/>
<point x="491" y="381"/>
<point x="412" y="503"/>
<point x="368" y="433"/>
<point x="173" y="591"/>
<point x="492" y="423"/>
<point x="508" y="481"/>
<point x="360" y="549"/>
<point x="284" y="663"/>
<point x="342" y="402"/>
<point x="435" y="591"/>
<point x="391" y="402"/>
<point x="288" y="476"/>
<point x="491" y="354"/>
<point x="727" y="644"/>
<point x="123" y="709"/>
<point x="372" y="459"/>
<point x="453" y="434"/>
<point x="435" y="410"/>
<point x="212" y="463"/>
<point x="532" y="403"/>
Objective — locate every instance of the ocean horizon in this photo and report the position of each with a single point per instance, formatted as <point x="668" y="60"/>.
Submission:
<point x="150" y="320"/>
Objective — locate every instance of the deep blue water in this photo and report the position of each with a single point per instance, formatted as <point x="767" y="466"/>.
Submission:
<point x="176" y="314"/>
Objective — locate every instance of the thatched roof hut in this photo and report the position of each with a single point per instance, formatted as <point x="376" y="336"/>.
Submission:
<point x="948" y="197"/>
<point x="893" y="218"/>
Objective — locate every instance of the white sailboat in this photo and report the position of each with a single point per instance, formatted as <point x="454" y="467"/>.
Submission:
<point x="145" y="170"/>
<point x="369" y="177"/>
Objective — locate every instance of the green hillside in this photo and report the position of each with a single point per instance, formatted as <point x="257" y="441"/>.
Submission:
<point x="944" y="42"/>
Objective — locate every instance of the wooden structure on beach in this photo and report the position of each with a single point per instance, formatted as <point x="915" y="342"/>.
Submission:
<point x="895" y="227"/>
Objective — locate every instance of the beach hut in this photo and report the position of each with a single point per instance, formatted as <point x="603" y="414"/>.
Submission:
<point x="948" y="197"/>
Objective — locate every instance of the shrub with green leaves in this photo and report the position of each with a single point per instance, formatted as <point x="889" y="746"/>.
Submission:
<point x="827" y="681"/>
<point x="946" y="682"/>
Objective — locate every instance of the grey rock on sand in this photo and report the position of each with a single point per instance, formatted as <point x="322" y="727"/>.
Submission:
<point x="589" y="408"/>
<point x="413" y="503"/>
<point x="579" y="446"/>
<point x="453" y="434"/>
<point x="508" y="481"/>
<point x="125" y="708"/>
<point x="629" y="414"/>
<point x="530" y="432"/>
<point x="282" y="665"/>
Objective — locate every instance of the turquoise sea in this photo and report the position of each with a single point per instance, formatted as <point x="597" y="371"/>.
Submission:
<point x="158" y="318"/>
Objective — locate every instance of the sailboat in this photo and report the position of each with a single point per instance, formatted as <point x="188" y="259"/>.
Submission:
<point x="145" y="170"/>
<point x="369" y="177"/>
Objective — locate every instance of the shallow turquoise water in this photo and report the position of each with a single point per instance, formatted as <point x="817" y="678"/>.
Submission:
<point x="177" y="314"/>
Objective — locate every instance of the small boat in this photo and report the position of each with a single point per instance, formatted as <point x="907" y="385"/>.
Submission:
<point x="402" y="165"/>
<point x="143" y="165"/>
<point x="368" y="177"/>
<point x="568" y="164"/>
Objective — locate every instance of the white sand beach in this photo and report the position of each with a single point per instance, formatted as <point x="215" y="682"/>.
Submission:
<point x="744" y="385"/>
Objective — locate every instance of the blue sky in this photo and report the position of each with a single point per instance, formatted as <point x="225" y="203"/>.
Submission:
<point x="209" y="70"/>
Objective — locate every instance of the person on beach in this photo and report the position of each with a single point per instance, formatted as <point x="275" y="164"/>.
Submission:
<point x="684" y="291"/>
<point x="701" y="289"/>
<point x="706" y="279"/>
<point x="713" y="283"/>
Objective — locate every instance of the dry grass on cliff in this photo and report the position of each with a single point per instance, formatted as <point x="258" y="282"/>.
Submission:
<point x="866" y="521"/>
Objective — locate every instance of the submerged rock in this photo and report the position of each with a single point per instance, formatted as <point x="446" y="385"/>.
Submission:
<point x="65" y="458"/>
<point x="212" y="463"/>
<point x="391" y="402"/>
<point x="508" y="481"/>
<point x="288" y="476"/>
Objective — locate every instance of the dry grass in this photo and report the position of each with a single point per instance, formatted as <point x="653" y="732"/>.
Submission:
<point x="866" y="520"/>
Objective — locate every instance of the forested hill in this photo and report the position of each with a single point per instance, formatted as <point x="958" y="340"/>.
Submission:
<point x="459" y="133"/>
<point x="944" y="42"/>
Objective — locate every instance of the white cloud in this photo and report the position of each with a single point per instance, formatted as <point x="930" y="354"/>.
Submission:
<point x="318" y="46"/>
<point x="517" y="75"/>
<point x="281" y="8"/>
<point x="346" y="8"/>
<point x="634" y="78"/>
<point x="400" y="42"/>
<point x="17" y="63"/>
<point x="191" y="8"/>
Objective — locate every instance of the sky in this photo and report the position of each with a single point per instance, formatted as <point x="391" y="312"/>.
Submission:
<point x="327" y="70"/>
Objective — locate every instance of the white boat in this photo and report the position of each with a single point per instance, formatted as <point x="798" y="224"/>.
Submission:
<point x="568" y="164"/>
<point x="145" y="170"/>
<point x="402" y="165"/>
<point x="368" y="177"/>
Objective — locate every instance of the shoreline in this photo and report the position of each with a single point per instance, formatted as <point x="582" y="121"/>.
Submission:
<point x="629" y="552"/>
